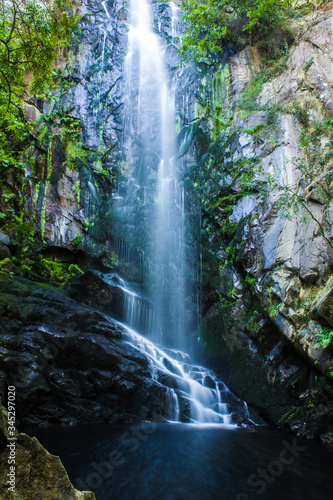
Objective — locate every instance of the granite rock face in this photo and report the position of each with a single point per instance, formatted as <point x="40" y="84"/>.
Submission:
<point x="77" y="158"/>
<point x="290" y="252"/>
<point x="275" y="292"/>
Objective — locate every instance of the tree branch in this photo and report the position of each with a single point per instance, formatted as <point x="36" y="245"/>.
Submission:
<point x="310" y="213"/>
<point x="9" y="88"/>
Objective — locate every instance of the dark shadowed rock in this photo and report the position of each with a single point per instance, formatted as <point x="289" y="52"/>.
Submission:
<point x="70" y="363"/>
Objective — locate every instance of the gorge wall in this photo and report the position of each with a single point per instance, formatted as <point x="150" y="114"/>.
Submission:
<point x="269" y="224"/>
<point x="256" y="156"/>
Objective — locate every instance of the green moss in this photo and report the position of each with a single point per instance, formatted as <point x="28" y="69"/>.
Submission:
<point x="178" y="124"/>
<point x="73" y="152"/>
<point x="36" y="193"/>
<point x="43" y="211"/>
<point x="308" y="64"/>
<point x="98" y="165"/>
<point x="249" y="98"/>
<point x="78" y="241"/>
<point x="46" y="286"/>
<point x="255" y="129"/>
<point x="42" y="132"/>
<point x="4" y="263"/>
<point x="9" y="307"/>
<point x="273" y="310"/>
<point x="11" y="285"/>
<point x="301" y="113"/>
<point x="58" y="270"/>
<point x="76" y="190"/>
<point x="75" y="270"/>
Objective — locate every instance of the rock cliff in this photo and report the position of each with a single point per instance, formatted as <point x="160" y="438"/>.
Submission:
<point x="271" y="226"/>
<point x="70" y="363"/>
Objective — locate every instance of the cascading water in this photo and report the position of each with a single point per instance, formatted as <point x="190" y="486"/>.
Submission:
<point x="151" y="164"/>
<point x="151" y="203"/>
<point x="196" y="393"/>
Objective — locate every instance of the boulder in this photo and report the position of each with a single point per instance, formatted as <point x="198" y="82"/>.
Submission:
<point x="7" y="265"/>
<point x="5" y="253"/>
<point x="4" y="239"/>
<point x="93" y="289"/>
<point x="37" y="473"/>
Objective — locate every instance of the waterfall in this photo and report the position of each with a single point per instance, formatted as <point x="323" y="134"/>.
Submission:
<point x="152" y="228"/>
<point x="151" y="165"/>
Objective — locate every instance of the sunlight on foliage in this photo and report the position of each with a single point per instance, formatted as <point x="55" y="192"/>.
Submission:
<point x="208" y="22"/>
<point x="32" y="33"/>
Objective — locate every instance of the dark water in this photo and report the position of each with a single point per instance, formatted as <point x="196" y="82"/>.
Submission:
<point x="188" y="462"/>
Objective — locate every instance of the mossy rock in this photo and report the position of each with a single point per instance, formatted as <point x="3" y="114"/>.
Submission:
<point x="8" y="265"/>
<point x="75" y="270"/>
<point x="8" y="284"/>
<point x="9" y="307"/>
<point x="4" y="251"/>
<point x="323" y="306"/>
<point x="38" y="474"/>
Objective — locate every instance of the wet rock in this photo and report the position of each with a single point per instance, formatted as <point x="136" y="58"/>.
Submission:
<point x="272" y="373"/>
<point x="171" y="366"/>
<point x="209" y="382"/>
<point x="71" y="363"/>
<point x="92" y="289"/>
<point x="5" y="254"/>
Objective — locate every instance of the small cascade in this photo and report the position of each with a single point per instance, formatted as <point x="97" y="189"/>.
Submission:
<point x="174" y="19"/>
<point x="136" y="311"/>
<point x="106" y="9"/>
<point x="192" y="393"/>
<point x="103" y="49"/>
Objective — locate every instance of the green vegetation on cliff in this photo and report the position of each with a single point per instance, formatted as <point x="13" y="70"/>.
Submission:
<point x="211" y="22"/>
<point x="32" y="34"/>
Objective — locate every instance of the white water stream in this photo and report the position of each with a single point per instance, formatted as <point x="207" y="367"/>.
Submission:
<point x="150" y="122"/>
<point x="154" y="191"/>
<point x="198" y="387"/>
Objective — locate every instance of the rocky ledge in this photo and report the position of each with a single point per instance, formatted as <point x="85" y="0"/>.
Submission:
<point x="71" y="363"/>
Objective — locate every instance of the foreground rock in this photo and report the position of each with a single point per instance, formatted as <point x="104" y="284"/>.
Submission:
<point x="37" y="473"/>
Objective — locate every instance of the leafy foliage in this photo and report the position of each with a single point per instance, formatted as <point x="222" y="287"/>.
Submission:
<point x="211" y="21"/>
<point x="325" y="338"/>
<point x="32" y="32"/>
<point x="316" y="180"/>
